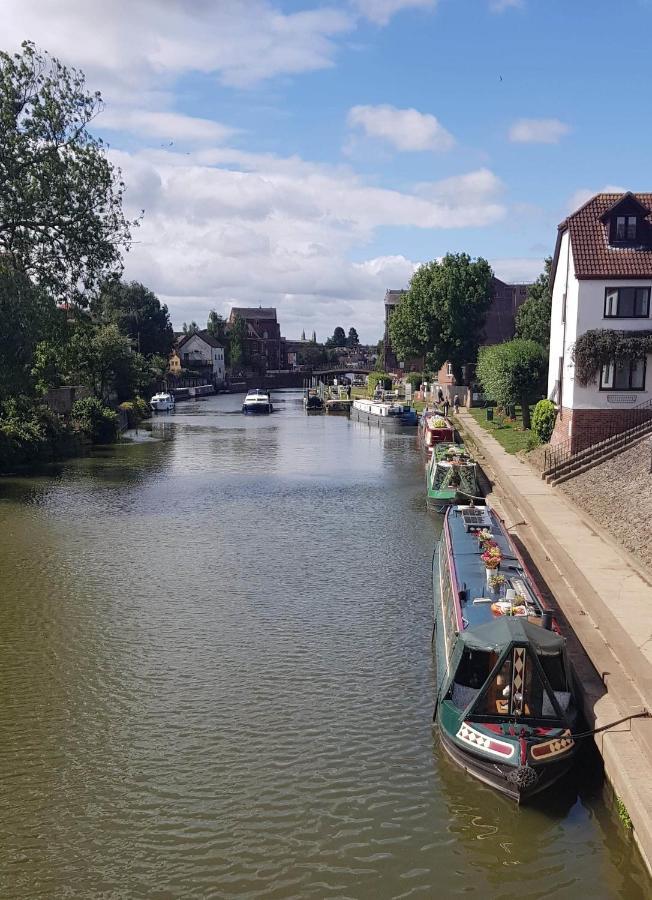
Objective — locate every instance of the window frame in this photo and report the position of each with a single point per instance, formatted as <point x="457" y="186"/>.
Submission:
<point x="628" y="221"/>
<point x="629" y="389"/>
<point x="609" y="290"/>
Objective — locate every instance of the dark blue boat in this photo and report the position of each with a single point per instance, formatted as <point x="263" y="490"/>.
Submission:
<point x="505" y="703"/>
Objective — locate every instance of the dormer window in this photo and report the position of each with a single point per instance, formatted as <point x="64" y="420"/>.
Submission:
<point x="625" y="228"/>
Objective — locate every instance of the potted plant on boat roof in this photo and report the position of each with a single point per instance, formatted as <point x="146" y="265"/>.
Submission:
<point x="485" y="536"/>
<point x="496" y="581"/>
<point x="492" y="558"/>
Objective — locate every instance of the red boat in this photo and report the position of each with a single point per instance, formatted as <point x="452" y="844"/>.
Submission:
<point x="435" y="429"/>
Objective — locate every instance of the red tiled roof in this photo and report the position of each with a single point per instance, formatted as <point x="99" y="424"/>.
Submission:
<point x="594" y="257"/>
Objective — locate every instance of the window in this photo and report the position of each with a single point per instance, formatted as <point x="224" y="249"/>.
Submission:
<point x="627" y="303"/>
<point x="449" y="368"/>
<point x="623" y="375"/>
<point x="625" y="228"/>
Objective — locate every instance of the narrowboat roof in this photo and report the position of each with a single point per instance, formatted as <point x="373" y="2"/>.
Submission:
<point x="507" y="630"/>
<point x="468" y="569"/>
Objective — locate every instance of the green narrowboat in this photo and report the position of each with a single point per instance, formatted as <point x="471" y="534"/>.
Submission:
<point x="451" y="476"/>
<point x="505" y="704"/>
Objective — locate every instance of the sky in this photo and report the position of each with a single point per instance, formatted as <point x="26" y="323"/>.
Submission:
<point x="309" y="155"/>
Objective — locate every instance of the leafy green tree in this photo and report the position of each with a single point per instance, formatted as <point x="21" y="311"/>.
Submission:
<point x="442" y="314"/>
<point x="352" y="340"/>
<point x="102" y="359"/>
<point x="513" y="372"/>
<point x="383" y="378"/>
<point x="138" y="314"/>
<point x="216" y="326"/>
<point x="27" y="317"/>
<point x="533" y="317"/>
<point x="190" y="328"/>
<point x="95" y="420"/>
<point x="238" y="342"/>
<point x="61" y="219"/>
<point x="312" y="356"/>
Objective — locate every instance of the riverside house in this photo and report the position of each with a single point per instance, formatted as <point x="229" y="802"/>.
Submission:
<point x="201" y="352"/>
<point x="601" y="277"/>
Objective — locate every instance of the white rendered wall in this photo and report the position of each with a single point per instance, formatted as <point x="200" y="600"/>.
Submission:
<point x="562" y="336"/>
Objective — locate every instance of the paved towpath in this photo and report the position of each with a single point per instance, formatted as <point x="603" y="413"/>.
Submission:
<point x="605" y="594"/>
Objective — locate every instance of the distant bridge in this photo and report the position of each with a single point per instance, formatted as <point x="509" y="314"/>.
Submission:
<point x="343" y="370"/>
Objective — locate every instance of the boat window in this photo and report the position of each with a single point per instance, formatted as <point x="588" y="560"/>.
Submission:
<point x="472" y="672"/>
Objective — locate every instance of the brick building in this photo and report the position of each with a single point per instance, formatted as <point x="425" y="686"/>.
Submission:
<point x="264" y="343"/>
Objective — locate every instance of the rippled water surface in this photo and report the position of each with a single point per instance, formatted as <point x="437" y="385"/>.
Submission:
<point x="217" y="681"/>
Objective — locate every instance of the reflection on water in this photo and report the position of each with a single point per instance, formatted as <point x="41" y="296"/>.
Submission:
<point x="217" y="681"/>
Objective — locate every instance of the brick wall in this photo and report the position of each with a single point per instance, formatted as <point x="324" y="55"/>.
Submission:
<point x="588" y="426"/>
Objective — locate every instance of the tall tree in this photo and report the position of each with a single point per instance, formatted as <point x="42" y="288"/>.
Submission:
<point x="238" y="342"/>
<point x="101" y="358"/>
<point x="442" y="314"/>
<point x="190" y="327"/>
<point x="61" y="219"/>
<point x="513" y="372"/>
<point x="352" y="340"/>
<point x="27" y="317"/>
<point x="303" y="335"/>
<point x="216" y="326"/>
<point x="313" y="338"/>
<point x="533" y="318"/>
<point x="338" y="339"/>
<point x="138" y="314"/>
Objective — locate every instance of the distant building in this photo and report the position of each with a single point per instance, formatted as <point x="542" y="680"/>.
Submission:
<point x="392" y="299"/>
<point x="202" y="352"/>
<point x="264" y="342"/>
<point x="174" y="363"/>
<point x="601" y="279"/>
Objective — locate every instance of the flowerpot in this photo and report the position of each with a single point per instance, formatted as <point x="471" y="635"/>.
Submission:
<point x="489" y="573"/>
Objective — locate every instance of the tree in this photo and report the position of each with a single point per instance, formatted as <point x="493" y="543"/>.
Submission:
<point x="102" y="359"/>
<point x="138" y="314"/>
<point x="338" y="339"/>
<point x="190" y="328"/>
<point x="216" y="326"/>
<point x="352" y="340"/>
<point x="238" y="338"/>
<point x="313" y="339"/>
<point x="312" y="356"/>
<point x="442" y="314"/>
<point x="61" y="219"/>
<point x="27" y="317"/>
<point x="303" y="335"/>
<point x="513" y="372"/>
<point x="533" y="318"/>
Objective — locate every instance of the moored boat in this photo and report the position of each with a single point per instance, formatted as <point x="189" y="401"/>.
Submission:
<point x="257" y="402"/>
<point x="505" y="703"/>
<point x="162" y="402"/>
<point x="451" y="475"/>
<point x="312" y="401"/>
<point x="435" y="429"/>
<point x="386" y="414"/>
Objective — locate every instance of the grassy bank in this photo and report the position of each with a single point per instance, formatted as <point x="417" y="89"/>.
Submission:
<point x="508" y="432"/>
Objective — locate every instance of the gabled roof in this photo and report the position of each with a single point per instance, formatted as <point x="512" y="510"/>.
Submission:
<point x="205" y="336"/>
<point x="593" y="255"/>
<point x="253" y="312"/>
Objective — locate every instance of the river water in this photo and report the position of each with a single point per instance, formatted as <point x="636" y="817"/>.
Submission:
<point x="217" y="681"/>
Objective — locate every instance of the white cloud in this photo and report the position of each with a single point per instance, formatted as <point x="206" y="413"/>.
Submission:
<point x="223" y="225"/>
<point x="381" y="11"/>
<point x="517" y="269"/>
<point x="168" y="125"/>
<point x="538" y="131"/>
<point x="581" y="195"/>
<point x="499" y="6"/>
<point x="405" y="129"/>
<point x="242" y="43"/>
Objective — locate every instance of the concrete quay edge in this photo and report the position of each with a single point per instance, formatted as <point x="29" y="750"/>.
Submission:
<point x="614" y="676"/>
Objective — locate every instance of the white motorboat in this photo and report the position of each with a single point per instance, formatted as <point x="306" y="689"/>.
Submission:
<point x="257" y="402"/>
<point x="162" y="402"/>
<point x="384" y="413"/>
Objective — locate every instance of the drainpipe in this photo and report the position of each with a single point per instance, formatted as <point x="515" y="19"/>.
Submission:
<point x="563" y="334"/>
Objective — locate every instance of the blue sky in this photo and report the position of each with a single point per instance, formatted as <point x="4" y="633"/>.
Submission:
<point x="310" y="155"/>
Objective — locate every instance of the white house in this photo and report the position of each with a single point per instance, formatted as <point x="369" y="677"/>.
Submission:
<point x="202" y="351"/>
<point x="601" y="279"/>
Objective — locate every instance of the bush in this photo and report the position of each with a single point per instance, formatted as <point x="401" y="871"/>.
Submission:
<point x="95" y="420"/>
<point x="543" y="420"/>
<point x="31" y="433"/>
<point x="136" y="410"/>
<point x="532" y="442"/>
<point x="376" y="377"/>
<point x="416" y="379"/>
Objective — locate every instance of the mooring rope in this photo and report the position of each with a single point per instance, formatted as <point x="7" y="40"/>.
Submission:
<point x="584" y="734"/>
